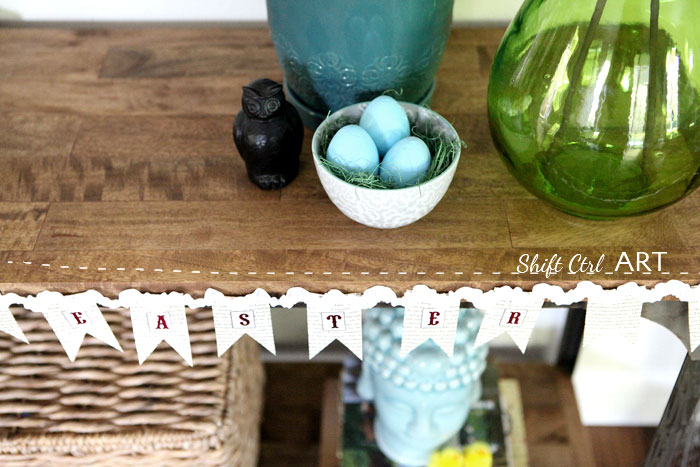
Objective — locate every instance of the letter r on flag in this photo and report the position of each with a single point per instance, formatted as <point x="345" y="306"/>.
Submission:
<point x="513" y="317"/>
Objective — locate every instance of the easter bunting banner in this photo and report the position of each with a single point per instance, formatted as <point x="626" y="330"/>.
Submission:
<point x="615" y="315"/>
<point x="611" y="314"/>
<point x="235" y="317"/>
<point x="72" y="317"/>
<point x="515" y="314"/>
<point x="429" y="315"/>
<point x="334" y="316"/>
<point x="694" y="324"/>
<point x="158" y="318"/>
<point x="8" y="325"/>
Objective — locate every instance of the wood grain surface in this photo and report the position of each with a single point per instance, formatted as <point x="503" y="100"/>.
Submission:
<point x="554" y="433"/>
<point x="118" y="170"/>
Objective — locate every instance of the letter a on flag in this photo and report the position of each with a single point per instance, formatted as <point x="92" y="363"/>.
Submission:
<point x="158" y="318"/>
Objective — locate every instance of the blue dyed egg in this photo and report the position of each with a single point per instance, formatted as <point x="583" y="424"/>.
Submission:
<point x="407" y="162"/>
<point x="386" y="122"/>
<point x="353" y="149"/>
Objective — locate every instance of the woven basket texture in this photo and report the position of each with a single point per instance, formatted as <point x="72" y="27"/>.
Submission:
<point x="106" y="409"/>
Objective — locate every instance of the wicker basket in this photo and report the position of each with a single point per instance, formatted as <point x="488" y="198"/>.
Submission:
<point x="106" y="409"/>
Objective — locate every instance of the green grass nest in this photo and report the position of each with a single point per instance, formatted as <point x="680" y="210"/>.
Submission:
<point x="442" y="152"/>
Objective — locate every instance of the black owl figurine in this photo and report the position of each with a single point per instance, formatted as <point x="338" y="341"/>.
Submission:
<point x="268" y="134"/>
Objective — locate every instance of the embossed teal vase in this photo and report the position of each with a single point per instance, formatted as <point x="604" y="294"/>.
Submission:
<point x="335" y="53"/>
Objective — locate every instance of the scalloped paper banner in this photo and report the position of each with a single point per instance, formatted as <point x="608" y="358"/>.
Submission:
<point x="237" y="316"/>
<point x="334" y="316"/>
<point x="429" y="315"/>
<point x="8" y="324"/>
<point x="612" y="315"/>
<point x="158" y="318"/>
<point x="72" y="317"/>
<point x="515" y="313"/>
<point x="694" y="323"/>
<point x="615" y="310"/>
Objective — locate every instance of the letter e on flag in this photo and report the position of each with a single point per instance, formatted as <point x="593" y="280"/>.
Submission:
<point x="75" y="318"/>
<point x="431" y="318"/>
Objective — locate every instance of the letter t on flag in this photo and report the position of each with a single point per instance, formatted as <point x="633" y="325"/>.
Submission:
<point x="515" y="313"/>
<point x="236" y="316"/>
<point x="334" y="316"/>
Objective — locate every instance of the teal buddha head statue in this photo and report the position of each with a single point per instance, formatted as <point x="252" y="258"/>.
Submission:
<point x="423" y="399"/>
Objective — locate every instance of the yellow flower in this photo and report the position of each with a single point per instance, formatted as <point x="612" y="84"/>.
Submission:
<point x="448" y="457"/>
<point x="478" y="454"/>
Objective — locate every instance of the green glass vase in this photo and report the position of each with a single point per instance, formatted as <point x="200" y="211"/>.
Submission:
<point x="594" y="104"/>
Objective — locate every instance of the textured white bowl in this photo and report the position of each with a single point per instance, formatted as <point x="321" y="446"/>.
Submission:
<point x="386" y="209"/>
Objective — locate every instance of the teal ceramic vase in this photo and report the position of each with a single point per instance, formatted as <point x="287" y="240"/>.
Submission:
<point x="595" y="104"/>
<point x="422" y="400"/>
<point x="336" y="53"/>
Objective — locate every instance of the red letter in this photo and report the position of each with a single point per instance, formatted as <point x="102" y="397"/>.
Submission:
<point x="244" y="319"/>
<point x="433" y="318"/>
<point x="161" y="321"/>
<point x="78" y="317"/>
<point x="335" y="319"/>
<point x="514" y="317"/>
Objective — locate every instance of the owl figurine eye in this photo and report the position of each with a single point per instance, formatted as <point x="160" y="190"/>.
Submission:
<point x="252" y="107"/>
<point x="271" y="106"/>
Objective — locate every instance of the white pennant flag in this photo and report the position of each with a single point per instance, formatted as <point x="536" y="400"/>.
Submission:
<point x="8" y="324"/>
<point x="613" y="314"/>
<point x="73" y="316"/>
<point x="332" y="316"/>
<point x="429" y="315"/>
<point x="514" y="314"/>
<point x="694" y="323"/>
<point x="236" y="316"/>
<point x="158" y="318"/>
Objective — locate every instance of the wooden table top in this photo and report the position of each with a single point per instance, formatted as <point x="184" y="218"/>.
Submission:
<point x="119" y="170"/>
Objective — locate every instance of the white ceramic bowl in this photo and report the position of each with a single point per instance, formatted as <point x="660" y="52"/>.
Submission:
<point x="386" y="209"/>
